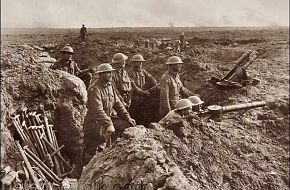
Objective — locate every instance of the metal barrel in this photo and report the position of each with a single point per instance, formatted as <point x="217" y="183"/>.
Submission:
<point x="243" y="57"/>
<point x="244" y="106"/>
<point x="231" y="73"/>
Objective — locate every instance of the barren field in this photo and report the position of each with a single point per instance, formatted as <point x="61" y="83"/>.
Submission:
<point x="242" y="151"/>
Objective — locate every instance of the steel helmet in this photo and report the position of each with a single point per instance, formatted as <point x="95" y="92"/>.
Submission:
<point x="67" y="49"/>
<point x="137" y="57"/>
<point x="119" y="57"/>
<point x="168" y="48"/>
<point x="173" y="60"/>
<point x="195" y="100"/>
<point x="105" y="67"/>
<point x="182" y="104"/>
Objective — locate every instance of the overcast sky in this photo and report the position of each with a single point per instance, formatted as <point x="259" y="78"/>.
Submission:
<point x="138" y="13"/>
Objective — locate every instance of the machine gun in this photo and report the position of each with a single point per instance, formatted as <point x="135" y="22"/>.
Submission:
<point x="237" y="76"/>
<point x="215" y="111"/>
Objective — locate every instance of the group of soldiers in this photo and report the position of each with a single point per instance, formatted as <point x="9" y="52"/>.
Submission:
<point x="116" y="98"/>
<point x="165" y="45"/>
<point x="177" y="46"/>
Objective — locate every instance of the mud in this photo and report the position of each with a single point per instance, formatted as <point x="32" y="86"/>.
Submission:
<point x="242" y="151"/>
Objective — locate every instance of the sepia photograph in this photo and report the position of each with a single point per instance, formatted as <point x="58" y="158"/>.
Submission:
<point x="144" y="95"/>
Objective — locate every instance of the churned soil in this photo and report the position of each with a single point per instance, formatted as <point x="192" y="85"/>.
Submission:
<point x="244" y="150"/>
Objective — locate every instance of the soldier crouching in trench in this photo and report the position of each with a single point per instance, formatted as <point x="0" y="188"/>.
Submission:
<point x="175" y="118"/>
<point x="185" y="114"/>
<point x="101" y="120"/>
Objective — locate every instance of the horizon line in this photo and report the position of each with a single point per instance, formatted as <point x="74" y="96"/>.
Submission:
<point x="284" y="26"/>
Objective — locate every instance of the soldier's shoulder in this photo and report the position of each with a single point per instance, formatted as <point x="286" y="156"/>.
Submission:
<point x="145" y="72"/>
<point x="165" y="77"/>
<point x="95" y="88"/>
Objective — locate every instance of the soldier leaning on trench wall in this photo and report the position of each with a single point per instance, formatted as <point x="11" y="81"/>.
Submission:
<point x="67" y="64"/>
<point x="101" y="121"/>
<point x="171" y="87"/>
<point x="145" y="83"/>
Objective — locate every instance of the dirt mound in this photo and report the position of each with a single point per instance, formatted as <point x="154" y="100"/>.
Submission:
<point x="215" y="155"/>
<point x="25" y="84"/>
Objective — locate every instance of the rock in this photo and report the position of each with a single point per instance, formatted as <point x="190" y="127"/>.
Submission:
<point x="76" y="84"/>
<point x="135" y="132"/>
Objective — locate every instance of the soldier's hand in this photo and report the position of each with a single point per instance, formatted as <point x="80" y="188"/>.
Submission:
<point x="146" y="93"/>
<point x="132" y="121"/>
<point x="92" y="70"/>
<point x="126" y="105"/>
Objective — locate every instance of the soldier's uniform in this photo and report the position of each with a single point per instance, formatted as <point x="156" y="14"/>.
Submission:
<point x="70" y="66"/>
<point x="171" y="90"/>
<point x="171" y="118"/>
<point x="83" y="32"/>
<point x="124" y="85"/>
<point x="143" y="81"/>
<point x="177" y="120"/>
<point x="102" y="101"/>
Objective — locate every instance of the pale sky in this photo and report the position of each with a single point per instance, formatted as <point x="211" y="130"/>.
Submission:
<point x="142" y="13"/>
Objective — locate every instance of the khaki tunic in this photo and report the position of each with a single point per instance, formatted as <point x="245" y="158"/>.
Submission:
<point x="142" y="79"/>
<point x="171" y="118"/>
<point x="171" y="90"/>
<point x="69" y="66"/>
<point x="102" y="101"/>
<point x="123" y="84"/>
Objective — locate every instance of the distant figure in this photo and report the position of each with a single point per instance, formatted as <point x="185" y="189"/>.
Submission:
<point x="177" y="45"/>
<point x="182" y="40"/>
<point x="147" y="44"/>
<point x="83" y="32"/>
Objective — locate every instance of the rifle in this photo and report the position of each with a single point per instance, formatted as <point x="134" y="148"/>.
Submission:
<point x="239" y="69"/>
<point x="215" y="111"/>
<point x="153" y="88"/>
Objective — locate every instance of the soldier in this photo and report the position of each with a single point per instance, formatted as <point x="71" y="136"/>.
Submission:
<point x="143" y="81"/>
<point x="169" y="50"/>
<point x="121" y="79"/>
<point x="147" y="44"/>
<point x="197" y="103"/>
<point x="101" y="120"/>
<point x="171" y="88"/>
<point x="83" y="32"/>
<point x="177" y="46"/>
<point x="182" y="41"/>
<point x="162" y="46"/>
<point x="67" y="64"/>
<point x="175" y="118"/>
